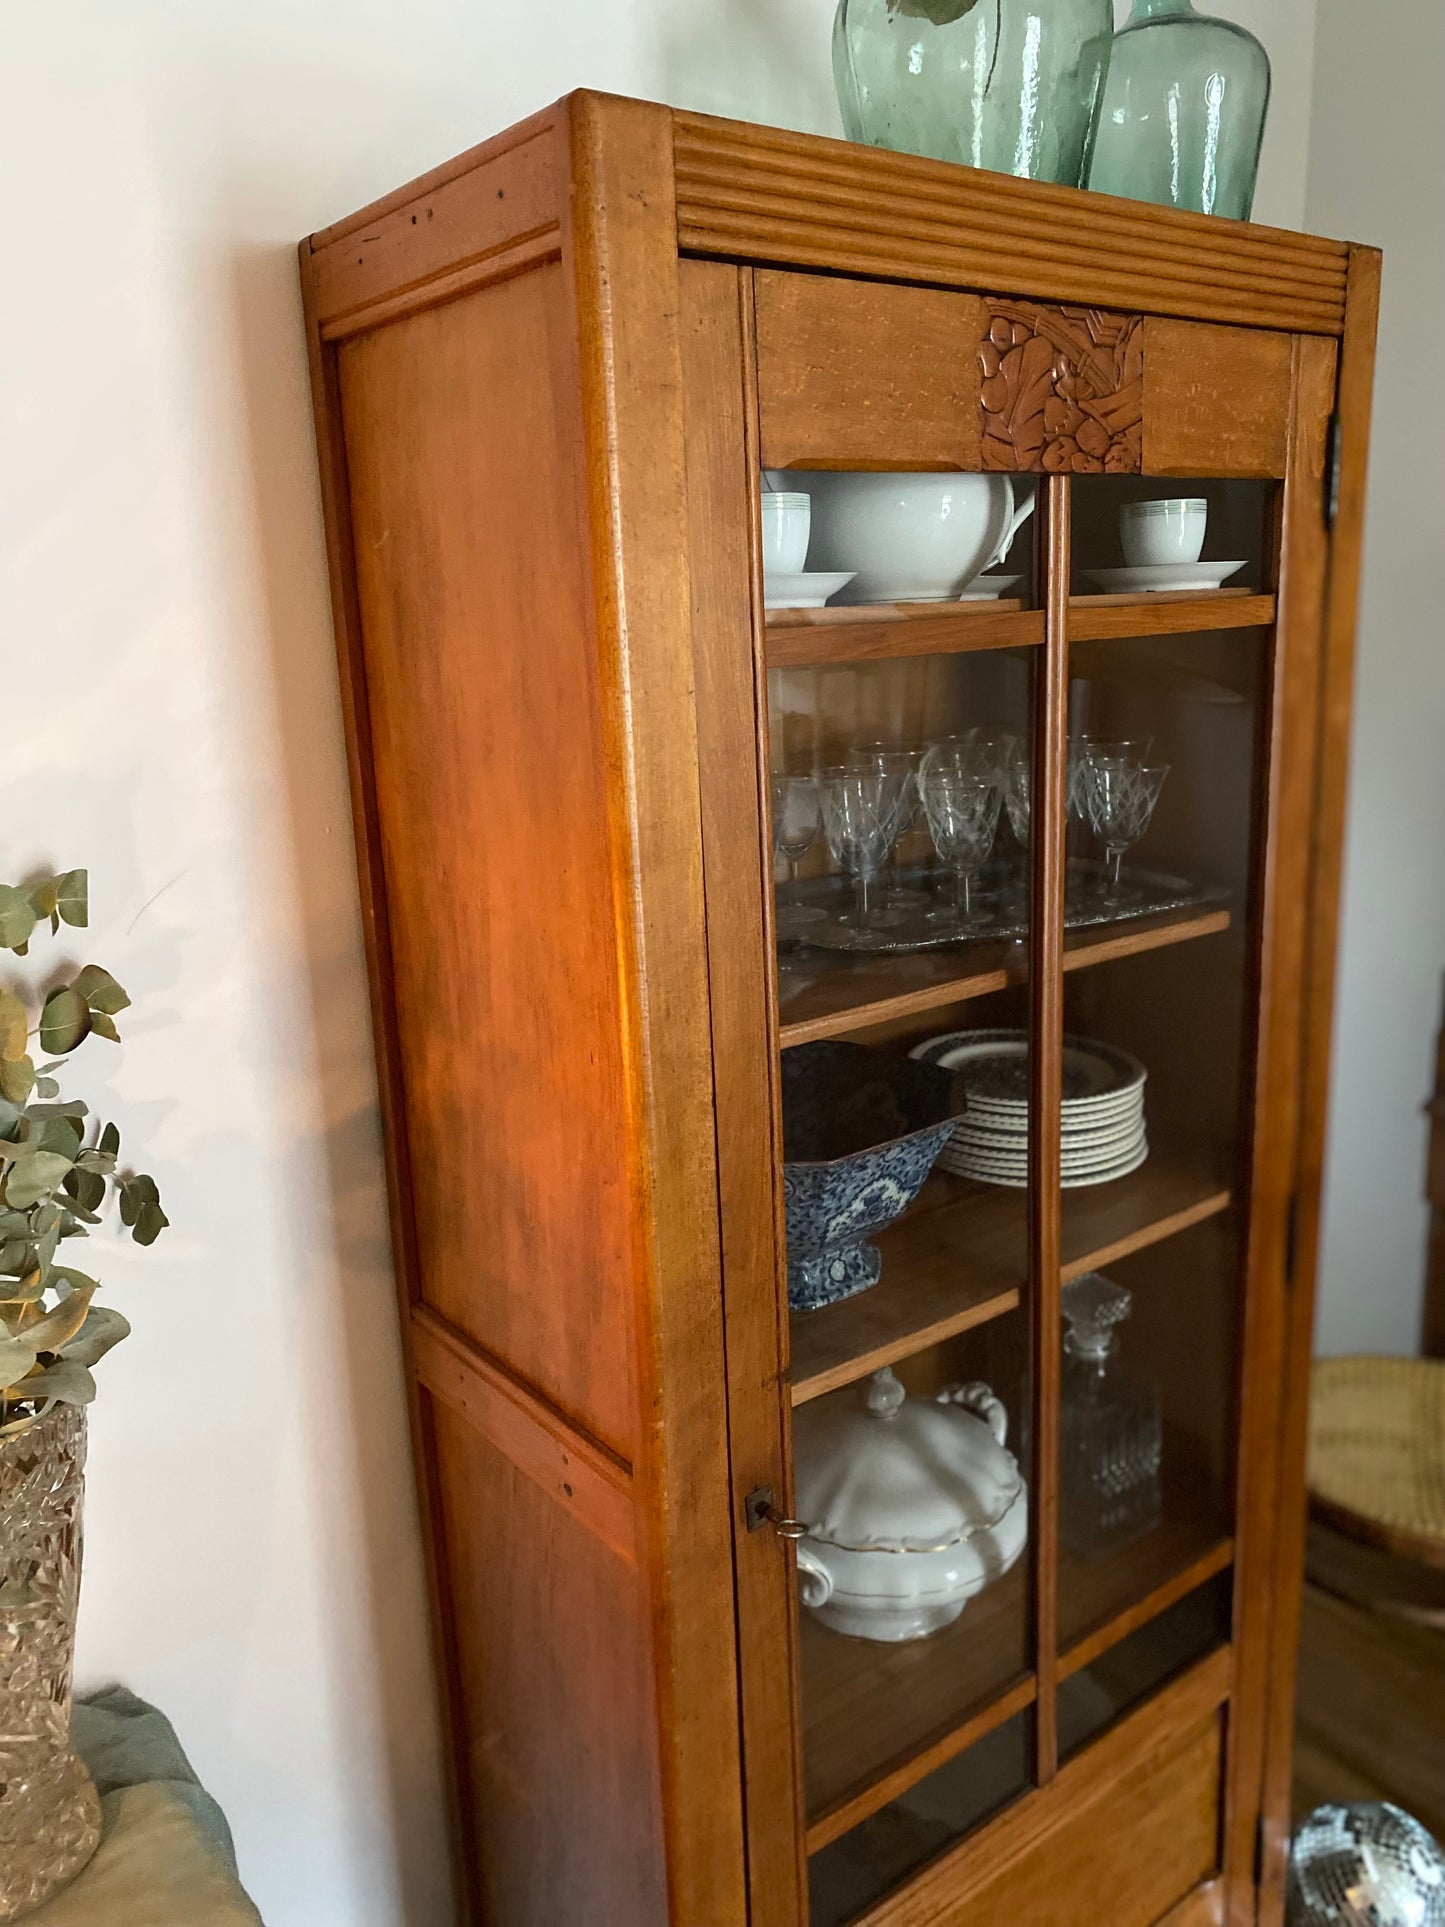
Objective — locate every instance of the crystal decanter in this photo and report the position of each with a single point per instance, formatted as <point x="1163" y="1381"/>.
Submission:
<point x="1110" y="1428"/>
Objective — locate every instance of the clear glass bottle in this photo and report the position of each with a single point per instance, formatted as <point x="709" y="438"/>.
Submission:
<point x="1111" y="1432"/>
<point x="1182" y="114"/>
<point x="1004" y="84"/>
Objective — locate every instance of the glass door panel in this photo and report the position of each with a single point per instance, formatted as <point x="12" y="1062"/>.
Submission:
<point x="903" y="982"/>
<point x="1168" y="733"/>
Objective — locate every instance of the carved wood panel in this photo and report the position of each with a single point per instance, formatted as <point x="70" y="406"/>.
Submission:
<point x="1062" y="390"/>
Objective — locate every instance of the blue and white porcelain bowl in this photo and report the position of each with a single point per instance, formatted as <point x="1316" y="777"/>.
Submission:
<point x="861" y="1132"/>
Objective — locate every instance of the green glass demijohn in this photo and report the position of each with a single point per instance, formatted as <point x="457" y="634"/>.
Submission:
<point x="1004" y="84"/>
<point x="1182" y="114"/>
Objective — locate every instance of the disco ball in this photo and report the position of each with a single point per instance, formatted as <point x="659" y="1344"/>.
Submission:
<point x="1365" y="1865"/>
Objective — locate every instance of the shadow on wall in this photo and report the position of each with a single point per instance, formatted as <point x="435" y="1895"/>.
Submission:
<point x="751" y="60"/>
<point x="384" y="1679"/>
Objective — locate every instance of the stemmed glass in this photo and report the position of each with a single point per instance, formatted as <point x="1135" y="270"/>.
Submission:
<point x="963" y="815"/>
<point x="1120" y="793"/>
<point x="977" y="752"/>
<point x="1085" y="749"/>
<point x="1016" y="800"/>
<point x="860" y="821"/>
<point x="899" y="768"/>
<point x="796" y="817"/>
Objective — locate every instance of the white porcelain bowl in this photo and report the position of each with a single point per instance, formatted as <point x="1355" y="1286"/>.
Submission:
<point x="911" y="538"/>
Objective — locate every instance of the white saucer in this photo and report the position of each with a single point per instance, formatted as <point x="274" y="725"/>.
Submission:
<point x="804" y="591"/>
<point x="1164" y="575"/>
<point x="988" y="588"/>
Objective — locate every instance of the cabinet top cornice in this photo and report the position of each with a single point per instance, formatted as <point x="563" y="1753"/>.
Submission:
<point x="763" y="194"/>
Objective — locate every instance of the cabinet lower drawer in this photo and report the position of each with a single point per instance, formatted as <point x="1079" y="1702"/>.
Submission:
<point x="1131" y="1846"/>
<point x="1127" y="1856"/>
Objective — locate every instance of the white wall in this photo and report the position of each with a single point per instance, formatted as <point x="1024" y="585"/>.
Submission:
<point x="1377" y="166"/>
<point x="169" y="691"/>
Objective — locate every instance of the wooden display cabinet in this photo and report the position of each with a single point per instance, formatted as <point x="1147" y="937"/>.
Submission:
<point x="547" y="377"/>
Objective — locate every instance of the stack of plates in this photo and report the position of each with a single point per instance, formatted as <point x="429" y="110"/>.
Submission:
<point x="1103" y="1109"/>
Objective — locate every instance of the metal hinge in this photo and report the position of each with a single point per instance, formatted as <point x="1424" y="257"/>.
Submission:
<point x="1332" y="471"/>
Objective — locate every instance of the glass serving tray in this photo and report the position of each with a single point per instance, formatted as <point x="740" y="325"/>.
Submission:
<point x="1000" y="892"/>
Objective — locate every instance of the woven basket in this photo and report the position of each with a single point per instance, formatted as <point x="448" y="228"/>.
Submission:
<point x="1377" y="1451"/>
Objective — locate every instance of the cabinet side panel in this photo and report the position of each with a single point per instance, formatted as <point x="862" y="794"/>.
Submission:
<point x="555" y="1715"/>
<point x="488" y="769"/>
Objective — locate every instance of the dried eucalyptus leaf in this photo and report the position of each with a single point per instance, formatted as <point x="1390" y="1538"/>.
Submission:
<point x="942" y="13"/>
<point x="45" y="899"/>
<point x="17" y="1078"/>
<point x="64" y="1021"/>
<point x="108" y="1143"/>
<point x="62" y="1321"/>
<point x="73" y="898"/>
<point x="17" y="918"/>
<point x="150" y="1222"/>
<point x="59" y="1133"/>
<point x="66" y="1382"/>
<point x="17" y="1357"/>
<point x="87" y="1188"/>
<point x="46" y="1087"/>
<point x="103" y="1328"/>
<point x="13" y="1254"/>
<point x="103" y="1026"/>
<point x="77" y="1280"/>
<point x="100" y="990"/>
<point x="34" y="1175"/>
<point x="14" y="1025"/>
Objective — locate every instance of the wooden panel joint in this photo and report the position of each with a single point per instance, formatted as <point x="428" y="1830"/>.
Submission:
<point x="581" y="1475"/>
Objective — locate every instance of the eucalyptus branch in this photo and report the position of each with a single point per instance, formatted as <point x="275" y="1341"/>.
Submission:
<point x="58" y="1178"/>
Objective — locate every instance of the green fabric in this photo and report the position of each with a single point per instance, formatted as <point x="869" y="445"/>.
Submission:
<point x="165" y="1857"/>
<point x="124" y="1741"/>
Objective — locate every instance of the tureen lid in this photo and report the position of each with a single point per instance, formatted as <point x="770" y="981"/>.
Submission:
<point x="886" y="1472"/>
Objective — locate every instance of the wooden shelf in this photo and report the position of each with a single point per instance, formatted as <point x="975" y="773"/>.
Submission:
<point x="876" y="632"/>
<point x="872" y="632"/>
<point x="960" y="1257"/>
<point x="1102" y="1603"/>
<point x="1101" y="618"/>
<point x="878" y="1718"/>
<point x="833" y="993"/>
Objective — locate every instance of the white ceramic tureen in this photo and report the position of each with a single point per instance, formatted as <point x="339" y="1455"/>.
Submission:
<point x="909" y="537"/>
<point x="912" y="1506"/>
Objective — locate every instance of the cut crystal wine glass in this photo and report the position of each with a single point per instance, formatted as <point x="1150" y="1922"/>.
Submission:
<point x="860" y="821"/>
<point x="1084" y="749"/>
<point x="985" y="752"/>
<point x="796" y="818"/>
<point x="1120" y="794"/>
<point x="963" y="816"/>
<point x="900" y="768"/>
<point x="1016" y="794"/>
